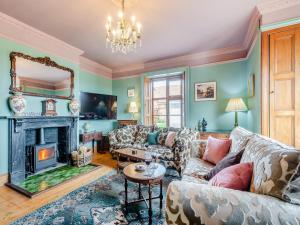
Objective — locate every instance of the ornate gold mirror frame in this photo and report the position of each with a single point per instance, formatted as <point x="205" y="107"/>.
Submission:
<point x="42" y="60"/>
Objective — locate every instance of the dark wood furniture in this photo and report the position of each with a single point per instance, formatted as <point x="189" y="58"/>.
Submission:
<point x="132" y="155"/>
<point x="221" y="134"/>
<point x="91" y="137"/>
<point x="123" y="123"/>
<point x="103" y="144"/>
<point x="144" y="178"/>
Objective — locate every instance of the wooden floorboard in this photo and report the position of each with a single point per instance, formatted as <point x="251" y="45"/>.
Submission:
<point x="14" y="205"/>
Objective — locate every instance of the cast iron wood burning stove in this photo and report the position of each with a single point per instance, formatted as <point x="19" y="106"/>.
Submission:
<point x="41" y="156"/>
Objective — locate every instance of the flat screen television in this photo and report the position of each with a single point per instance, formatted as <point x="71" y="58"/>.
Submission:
<point x="98" y="106"/>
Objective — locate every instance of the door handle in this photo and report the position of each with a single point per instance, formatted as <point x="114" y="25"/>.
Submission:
<point x="272" y="92"/>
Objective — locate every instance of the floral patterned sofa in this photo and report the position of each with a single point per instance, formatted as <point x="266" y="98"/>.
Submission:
<point x="274" y="196"/>
<point x="135" y="136"/>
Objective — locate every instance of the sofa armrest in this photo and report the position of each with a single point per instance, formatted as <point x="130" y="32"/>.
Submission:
<point x="192" y="203"/>
<point x="112" y="136"/>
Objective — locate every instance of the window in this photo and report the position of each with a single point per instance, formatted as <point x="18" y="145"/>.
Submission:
<point x="167" y="101"/>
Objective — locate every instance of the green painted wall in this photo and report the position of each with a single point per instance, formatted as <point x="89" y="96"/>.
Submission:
<point x="254" y="103"/>
<point x="231" y="82"/>
<point x="83" y="82"/>
<point x="95" y="84"/>
<point x="34" y="103"/>
<point x="120" y="88"/>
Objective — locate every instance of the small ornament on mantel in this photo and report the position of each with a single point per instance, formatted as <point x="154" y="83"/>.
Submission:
<point x="49" y="107"/>
<point x="204" y="124"/>
<point x="17" y="104"/>
<point x="74" y="107"/>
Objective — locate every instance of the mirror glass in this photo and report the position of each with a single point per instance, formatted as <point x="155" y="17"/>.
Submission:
<point x="39" y="79"/>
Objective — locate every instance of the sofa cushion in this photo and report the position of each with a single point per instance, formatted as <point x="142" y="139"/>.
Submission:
<point x="216" y="149"/>
<point x="165" y="152"/>
<point x="197" y="167"/>
<point x="126" y="135"/>
<point x="229" y="160"/>
<point x="274" y="167"/>
<point x="142" y="134"/>
<point x="152" y="138"/>
<point x="239" y="137"/>
<point x="235" y="177"/>
<point x="170" y="140"/>
<point x="163" y="133"/>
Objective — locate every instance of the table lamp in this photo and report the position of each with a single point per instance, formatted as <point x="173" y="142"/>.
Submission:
<point x="133" y="109"/>
<point x="236" y="105"/>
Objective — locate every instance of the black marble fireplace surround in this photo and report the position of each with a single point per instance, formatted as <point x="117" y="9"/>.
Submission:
<point x="25" y="132"/>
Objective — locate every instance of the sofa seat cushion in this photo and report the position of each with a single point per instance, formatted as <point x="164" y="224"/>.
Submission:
<point x="193" y="179"/>
<point x="196" y="167"/>
<point x="274" y="166"/>
<point x="135" y="145"/>
<point x="165" y="152"/>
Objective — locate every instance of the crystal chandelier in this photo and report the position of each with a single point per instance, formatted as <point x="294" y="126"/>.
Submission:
<point x="124" y="35"/>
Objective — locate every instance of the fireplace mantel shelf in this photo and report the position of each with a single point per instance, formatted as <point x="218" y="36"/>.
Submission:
<point x="37" y="117"/>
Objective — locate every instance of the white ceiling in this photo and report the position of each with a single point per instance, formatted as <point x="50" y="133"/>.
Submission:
<point x="170" y="27"/>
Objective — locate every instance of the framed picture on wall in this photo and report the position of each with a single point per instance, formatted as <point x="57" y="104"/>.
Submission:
<point x="251" y="86"/>
<point x="130" y="92"/>
<point x="206" y="91"/>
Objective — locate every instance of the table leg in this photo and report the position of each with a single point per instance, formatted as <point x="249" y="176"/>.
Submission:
<point x="126" y="195"/>
<point x="150" y="204"/>
<point x="140" y="191"/>
<point x="118" y="163"/>
<point x="93" y="145"/>
<point x="161" y="194"/>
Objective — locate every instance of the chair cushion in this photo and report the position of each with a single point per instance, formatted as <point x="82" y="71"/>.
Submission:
<point x="275" y="166"/>
<point x="216" y="149"/>
<point x="229" y="160"/>
<point x="236" y="177"/>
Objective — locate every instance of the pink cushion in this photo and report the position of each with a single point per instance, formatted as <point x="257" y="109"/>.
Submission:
<point x="170" y="140"/>
<point x="236" y="177"/>
<point x="216" y="149"/>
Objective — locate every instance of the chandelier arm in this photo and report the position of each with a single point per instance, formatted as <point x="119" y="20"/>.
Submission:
<point x="123" y="5"/>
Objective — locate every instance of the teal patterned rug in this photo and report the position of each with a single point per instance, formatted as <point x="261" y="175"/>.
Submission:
<point x="99" y="203"/>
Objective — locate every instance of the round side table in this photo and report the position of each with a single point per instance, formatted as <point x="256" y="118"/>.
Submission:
<point x="152" y="176"/>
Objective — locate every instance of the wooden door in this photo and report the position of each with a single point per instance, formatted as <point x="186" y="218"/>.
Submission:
<point x="284" y="87"/>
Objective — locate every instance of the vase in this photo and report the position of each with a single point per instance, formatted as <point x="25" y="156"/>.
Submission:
<point x="17" y="104"/>
<point x="86" y="127"/>
<point x="74" y="107"/>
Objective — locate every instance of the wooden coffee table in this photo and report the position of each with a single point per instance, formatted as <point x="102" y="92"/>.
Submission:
<point x="149" y="178"/>
<point x="132" y="154"/>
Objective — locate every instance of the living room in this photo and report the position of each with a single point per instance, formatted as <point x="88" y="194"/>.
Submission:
<point x="149" y="112"/>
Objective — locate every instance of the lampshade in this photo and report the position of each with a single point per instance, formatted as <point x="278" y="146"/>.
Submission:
<point x="133" y="107"/>
<point x="236" y="105"/>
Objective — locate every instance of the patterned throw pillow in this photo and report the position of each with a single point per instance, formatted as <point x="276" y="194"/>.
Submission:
<point x="275" y="166"/>
<point x="126" y="135"/>
<point x="142" y="134"/>
<point x="163" y="133"/>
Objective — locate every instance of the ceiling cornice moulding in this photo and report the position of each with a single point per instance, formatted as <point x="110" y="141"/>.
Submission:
<point x="15" y="30"/>
<point x="94" y="67"/>
<point x="202" y="58"/>
<point x="269" y="6"/>
<point x="253" y="29"/>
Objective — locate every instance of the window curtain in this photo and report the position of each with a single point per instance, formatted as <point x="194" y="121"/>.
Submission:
<point x="147" y="102"/>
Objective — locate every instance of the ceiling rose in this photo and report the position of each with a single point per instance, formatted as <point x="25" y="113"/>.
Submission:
<point x="123" y="35"/>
